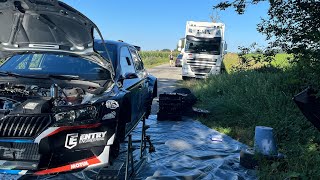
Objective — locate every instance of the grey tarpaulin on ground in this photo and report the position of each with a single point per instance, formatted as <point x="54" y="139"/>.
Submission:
<point x="184" y="150"/>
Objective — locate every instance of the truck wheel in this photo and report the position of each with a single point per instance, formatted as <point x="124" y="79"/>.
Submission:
<point x="223" y="70"/>
<point x="185" y="78"/>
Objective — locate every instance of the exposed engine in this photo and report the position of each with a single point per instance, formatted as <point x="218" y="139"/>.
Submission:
<point x="34" y="99"/>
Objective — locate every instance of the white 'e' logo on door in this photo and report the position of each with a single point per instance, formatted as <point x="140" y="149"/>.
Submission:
<point x="71" y="140"/>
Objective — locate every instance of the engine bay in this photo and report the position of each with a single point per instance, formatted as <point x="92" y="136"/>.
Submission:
<point x="19" y="98"/>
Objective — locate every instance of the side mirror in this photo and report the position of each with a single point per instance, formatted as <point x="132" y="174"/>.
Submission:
<point x="225" y="46"/>
<point x="180" y="45"/>
<point x="130" y="76"/>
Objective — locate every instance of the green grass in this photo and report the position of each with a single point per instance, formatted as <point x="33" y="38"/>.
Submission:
<point x="155" y="58"/>
<point x="240" y="101"/>
<point x="280" y="61"/>
<point x="230" y="59"/>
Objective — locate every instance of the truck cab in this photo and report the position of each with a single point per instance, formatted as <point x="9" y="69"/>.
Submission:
<point x="203" y="49"/>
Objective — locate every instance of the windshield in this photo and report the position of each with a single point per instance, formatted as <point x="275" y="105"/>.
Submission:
<point x="53" y="64"/>
<point x="203" y="45"/>
<point x="112" y="50"/>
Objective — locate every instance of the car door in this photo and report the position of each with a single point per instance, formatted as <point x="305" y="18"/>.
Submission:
<point x="142" y="84"/>
<point x="132" y="85"/>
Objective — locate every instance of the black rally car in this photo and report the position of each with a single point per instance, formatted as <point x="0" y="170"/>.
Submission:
<point x="66" y="100"/>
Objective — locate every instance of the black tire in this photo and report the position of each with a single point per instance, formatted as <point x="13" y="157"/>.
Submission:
<point x="182" y="91"/>
<point x="190" y="99"/>
<point x="223" y="70"/>
<point x="185" y="78"/>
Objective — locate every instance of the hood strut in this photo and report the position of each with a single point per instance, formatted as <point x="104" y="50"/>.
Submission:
<point x="15" y="28"/>
<point x="104" y="44"/>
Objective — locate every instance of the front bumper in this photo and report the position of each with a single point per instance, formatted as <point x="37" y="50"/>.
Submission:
<point x="24" y="168"/>
<point x="199" y="72"/>
<point x="58" y="150"/>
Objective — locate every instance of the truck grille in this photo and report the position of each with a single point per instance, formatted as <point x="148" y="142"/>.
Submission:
<point x="206" y="59"/>
<point x="19" y="151"/>
<point x="200" y="69"/>
<point x="23" y="125"/>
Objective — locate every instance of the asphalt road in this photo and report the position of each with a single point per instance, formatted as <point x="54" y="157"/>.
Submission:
<point x="168" y="78"/>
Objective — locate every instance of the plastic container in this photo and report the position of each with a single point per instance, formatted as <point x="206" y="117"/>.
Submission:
<point x="264" y="142"/>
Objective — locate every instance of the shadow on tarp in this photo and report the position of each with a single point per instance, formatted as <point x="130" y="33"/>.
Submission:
<point x="184" y="150"/>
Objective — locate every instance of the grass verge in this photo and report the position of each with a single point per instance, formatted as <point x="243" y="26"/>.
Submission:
<point x="240" y="101"/>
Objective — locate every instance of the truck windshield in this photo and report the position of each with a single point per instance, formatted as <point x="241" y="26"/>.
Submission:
<point x="203" y="45"/>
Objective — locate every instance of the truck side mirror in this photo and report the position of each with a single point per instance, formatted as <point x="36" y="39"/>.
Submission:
<point x="225" y="48"/>
<point x="180" y="45"/>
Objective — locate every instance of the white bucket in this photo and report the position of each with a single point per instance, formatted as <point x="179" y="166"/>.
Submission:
<point x="264" y="142"/>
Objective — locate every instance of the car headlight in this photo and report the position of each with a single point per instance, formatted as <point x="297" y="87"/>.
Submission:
<point x="77" y="115"/>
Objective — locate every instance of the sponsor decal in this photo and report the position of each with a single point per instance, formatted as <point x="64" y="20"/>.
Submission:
<point x="31" y="106"/>
<point x="74" y="139"/>
<point x="69" y="167"/>
<point x="79" y="165"/>
<point x="11" y="152"/>
<point x="111" y="115"/>
<point x="71" y="140"/>
<point x="112" y="104"/>
<point x="14" y="172"/>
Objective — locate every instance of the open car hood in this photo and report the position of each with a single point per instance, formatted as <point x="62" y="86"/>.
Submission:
<point x="44" y="25"/>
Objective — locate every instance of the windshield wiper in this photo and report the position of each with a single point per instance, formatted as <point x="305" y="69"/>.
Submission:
<point x="7" y="73"/>
<point x="49" y="76"/>
<point x="64" y="77"/>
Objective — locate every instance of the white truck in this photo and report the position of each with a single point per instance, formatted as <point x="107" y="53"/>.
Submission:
<point x="203" y="49"/>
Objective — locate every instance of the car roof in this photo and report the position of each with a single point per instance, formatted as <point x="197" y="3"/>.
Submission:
<point x="117" y="43"/>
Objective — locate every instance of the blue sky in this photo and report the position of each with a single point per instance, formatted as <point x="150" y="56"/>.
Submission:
<point x="159" y="24"/>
